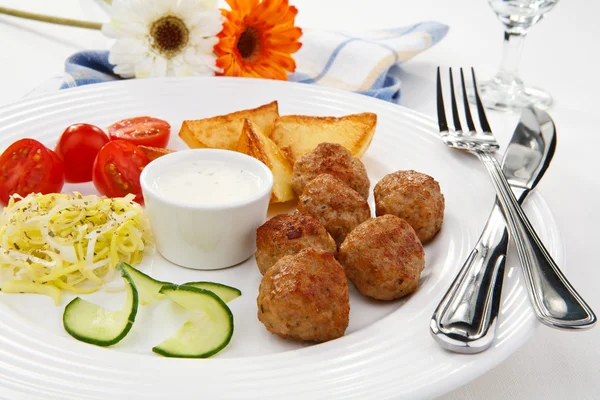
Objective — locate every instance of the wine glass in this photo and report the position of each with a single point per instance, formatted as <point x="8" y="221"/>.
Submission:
<point x="506" y="91"/>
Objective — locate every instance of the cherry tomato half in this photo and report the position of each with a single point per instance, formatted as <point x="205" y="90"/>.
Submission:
<point x="146" y="131"/>
<point x="78" y="146"/>
<point x="117" y="169"/>
<point x="27" y="166"/>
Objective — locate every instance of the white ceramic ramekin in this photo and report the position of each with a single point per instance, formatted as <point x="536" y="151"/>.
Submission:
<point x="206" y="237"/>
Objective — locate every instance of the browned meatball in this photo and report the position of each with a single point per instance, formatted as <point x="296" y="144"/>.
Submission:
<point x="305" y="297"/>
<point x="333" y="159"/>
<point x="287" y="234"/>
<point x="414" y="197"/>
<point x="339" y="208"/>
<point x="383" y="257"/>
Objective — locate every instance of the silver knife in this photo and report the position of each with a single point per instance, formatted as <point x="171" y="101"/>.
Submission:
<point x="465" y="320"/>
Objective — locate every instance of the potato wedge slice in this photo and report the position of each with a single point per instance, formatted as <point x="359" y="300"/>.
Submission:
<point x="223" y="132"/>
<point x="154" y="152"/>
<point x="256" y="144"/>
<point x="296" y="135"/>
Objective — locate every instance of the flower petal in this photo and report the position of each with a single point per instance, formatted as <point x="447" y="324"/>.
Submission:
<point x="151" y="66"/>
<point x="287" y="48"/>
<point x="127" y="51"/>
<point x="144" y="67"/>
<point x="205" y="45"/>
<point x="206" y="23"/>
<point x="202" y="70"/>
<point x="282" y="60"/>
<point x="179" y="66"/>
<point x="182" y="70"/>
<point x="269" y="72"/>
<point x="130" y="46"/>
<point x="126" y="12"/>
<point x="150" y="10"/>
<point x="118" y="28"/>
<point x="125" y="70"/>
<point x="208" y="4"/>
<point x="242" y="6"/>
<point x="123" y="7"/>
<point x="188" y="70"/>
<point x="108" y="31"/>
<point x="196" y="58"/>
<point x="184" y="8"/>
<point x="160" y="67"/>
<point x="123" y="58"/>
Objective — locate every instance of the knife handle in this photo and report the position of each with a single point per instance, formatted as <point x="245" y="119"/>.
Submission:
<point x="465" y="320"/>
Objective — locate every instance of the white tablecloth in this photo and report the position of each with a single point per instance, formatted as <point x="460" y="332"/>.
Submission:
<point x="561" y="55"/>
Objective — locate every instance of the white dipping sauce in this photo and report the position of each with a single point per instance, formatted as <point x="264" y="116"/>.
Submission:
<point x="207" y="183"/>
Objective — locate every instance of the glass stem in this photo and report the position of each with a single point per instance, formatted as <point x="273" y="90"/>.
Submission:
<point x="511" y="55"/>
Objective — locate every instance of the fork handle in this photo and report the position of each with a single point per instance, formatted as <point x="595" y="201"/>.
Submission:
<point x="465" y="320"/>
<point x="555" y="301"/>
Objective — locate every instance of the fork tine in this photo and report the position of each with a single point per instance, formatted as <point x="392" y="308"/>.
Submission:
<point x="470" y="123"/>
<point x="480" y="110"/>
<point x="455" y="115"/>
<point x="443" y="124"/>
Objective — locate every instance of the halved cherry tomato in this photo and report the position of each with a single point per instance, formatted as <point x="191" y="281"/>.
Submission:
<point x="27" y="166"/>
<point x="117" y="169"/>
<point x="146" y="131"/>
<point x="78" y="146"/>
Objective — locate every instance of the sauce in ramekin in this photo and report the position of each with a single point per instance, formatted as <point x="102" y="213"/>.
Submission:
<point x="207" y="183"/>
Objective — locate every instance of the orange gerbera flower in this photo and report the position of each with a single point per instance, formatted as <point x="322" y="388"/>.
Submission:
<point x="258" y="38"/>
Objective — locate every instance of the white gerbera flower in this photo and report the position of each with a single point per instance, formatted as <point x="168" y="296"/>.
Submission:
<point x="163" y="37"/>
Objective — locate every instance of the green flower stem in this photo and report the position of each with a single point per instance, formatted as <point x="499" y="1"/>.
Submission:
<point x="50" y="19"/>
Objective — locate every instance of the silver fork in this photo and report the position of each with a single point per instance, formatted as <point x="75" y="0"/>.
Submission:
<point x="555" y="302"/>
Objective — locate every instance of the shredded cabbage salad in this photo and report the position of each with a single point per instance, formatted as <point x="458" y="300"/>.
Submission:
<point x="55" y="242"/>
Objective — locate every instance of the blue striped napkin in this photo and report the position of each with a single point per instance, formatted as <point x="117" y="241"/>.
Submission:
<point x="359" y="63"/>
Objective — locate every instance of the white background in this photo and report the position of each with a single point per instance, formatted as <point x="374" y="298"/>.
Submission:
<point x="561" y="55"/>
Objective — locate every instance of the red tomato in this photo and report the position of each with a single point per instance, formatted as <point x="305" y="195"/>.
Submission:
<point x="78" y="146"/>
<point x="145" y="131"/>
<point x="27" y="166"/>
<point x="117" y="170"/>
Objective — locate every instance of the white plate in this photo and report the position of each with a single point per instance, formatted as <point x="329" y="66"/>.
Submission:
<point x="387" y="351"/>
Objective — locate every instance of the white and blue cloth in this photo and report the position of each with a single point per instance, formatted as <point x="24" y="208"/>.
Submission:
<point x="359" y="63"/>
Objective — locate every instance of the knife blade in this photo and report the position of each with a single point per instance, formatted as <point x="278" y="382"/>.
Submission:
<point x="465" y="321"/>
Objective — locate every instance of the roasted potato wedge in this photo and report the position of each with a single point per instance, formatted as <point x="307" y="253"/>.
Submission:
<point x="154" y="152"/>
<point x="256" y="144"/>
<point x="223" y="132"/>
<point x="296" y="135"/>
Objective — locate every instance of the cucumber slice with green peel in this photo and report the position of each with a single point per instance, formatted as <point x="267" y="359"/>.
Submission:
<point x="226" y="293"/>
<point x="204" y="335"/>
<point x="93" y="324"/>
<point x="148" y="287"/>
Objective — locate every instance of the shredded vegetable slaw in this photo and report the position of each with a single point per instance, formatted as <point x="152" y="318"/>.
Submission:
<point x="68" y="242"/>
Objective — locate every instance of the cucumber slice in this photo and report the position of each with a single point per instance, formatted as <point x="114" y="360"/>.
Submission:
<point x="207" y="333"/>
<point x="148" y="288"/>
<point x="93" y="324"/>
<point x="226" y="293"/>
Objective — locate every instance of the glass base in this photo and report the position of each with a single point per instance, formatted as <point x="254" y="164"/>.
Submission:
<point x="513" y="96"/>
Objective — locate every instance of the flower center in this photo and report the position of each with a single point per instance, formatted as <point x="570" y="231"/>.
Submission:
<point x="169" y="35"/>
<point x="249" y="44"/>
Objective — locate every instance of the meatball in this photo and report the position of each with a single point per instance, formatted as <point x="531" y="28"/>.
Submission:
<point x="414" y="197"/>
<point x="383" y="257"/>
<point x="333" y="159"/>
<point x="305" y="297"/>
<point x="338" y="207"/>
<point x="287" y="234"/>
